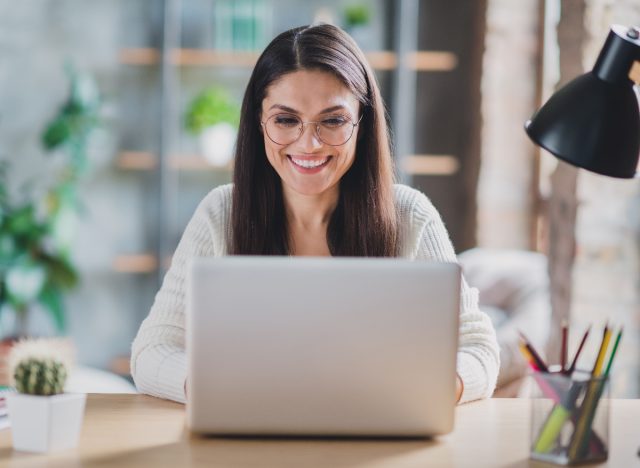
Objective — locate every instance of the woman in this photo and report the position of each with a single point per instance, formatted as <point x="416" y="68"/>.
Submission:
<point x="313" y="176"/>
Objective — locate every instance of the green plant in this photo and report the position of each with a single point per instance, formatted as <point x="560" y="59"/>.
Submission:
<point x="210" y="107"/>
<point x="40" y="376"/>
<point x="357" y="15"/>
<point x="36" y="230"/>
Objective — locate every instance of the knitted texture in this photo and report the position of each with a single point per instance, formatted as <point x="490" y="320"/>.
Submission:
<point x="158" y="359"/>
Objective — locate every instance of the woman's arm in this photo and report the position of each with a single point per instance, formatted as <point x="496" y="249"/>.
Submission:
<point x="158" y="358"/>
<point x="478" y="352"/>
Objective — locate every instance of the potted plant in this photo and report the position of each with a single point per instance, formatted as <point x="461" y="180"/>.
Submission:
<point x="356" y="19"/>
<point x="213" y="116"/>
<point x="42" y="417"/>
<point x="37" y="222"/>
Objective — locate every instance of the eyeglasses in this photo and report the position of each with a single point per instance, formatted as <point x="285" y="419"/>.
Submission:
<point x="285" y="129"/>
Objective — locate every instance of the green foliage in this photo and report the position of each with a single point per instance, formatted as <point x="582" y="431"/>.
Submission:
<point x="357" y="15"/>
<point x="40" y="376"/>
<point x="210" y="107"/>
<point x="35" y="263"/>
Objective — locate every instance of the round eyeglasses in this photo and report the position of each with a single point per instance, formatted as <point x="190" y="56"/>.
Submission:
<point x="285" y="129"/>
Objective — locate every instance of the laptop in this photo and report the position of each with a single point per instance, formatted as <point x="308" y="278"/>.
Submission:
<point x="308" y="346"/>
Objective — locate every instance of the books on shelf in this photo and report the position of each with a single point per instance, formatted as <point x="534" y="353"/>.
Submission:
<point x="241" y="24"/>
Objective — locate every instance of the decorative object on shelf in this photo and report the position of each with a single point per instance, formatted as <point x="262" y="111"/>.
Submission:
<point x="242" y="24"/>
<point x="214" y="117"/>
<point x="356" y="21"/>
<point x="36" y="231"/>
<point x="42" y="417"/>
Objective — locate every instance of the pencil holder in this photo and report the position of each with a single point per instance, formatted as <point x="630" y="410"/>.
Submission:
<point x="569" y="418"/>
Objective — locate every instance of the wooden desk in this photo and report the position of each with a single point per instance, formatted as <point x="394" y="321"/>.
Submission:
<point x="137" y="430"/>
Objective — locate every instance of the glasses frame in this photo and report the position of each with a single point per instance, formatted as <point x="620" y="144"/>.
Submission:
<point x="301" y="132"/>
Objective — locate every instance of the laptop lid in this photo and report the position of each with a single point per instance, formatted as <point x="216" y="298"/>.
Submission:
<point x="321" y="346"/>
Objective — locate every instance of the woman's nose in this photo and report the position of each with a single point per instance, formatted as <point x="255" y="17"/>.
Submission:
<point x="309" y="138"/>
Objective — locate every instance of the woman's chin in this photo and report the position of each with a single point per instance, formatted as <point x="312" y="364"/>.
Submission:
<point x="308" y="189"/>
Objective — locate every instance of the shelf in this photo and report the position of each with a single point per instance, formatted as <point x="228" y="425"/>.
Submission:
<point x="380" y="60"/>
<point x="427" y="164"/>
<point x="147" y="161"/>
<point x="140" y="263"/>
<point x="431" y="61"/>
<point x="634" y="73"/>
<point x="430" y="164"/>
<point x="417" y="164"/>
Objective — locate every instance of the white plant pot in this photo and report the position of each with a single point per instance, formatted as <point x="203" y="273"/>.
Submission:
<point x="216" y="143"/>
<point x="45" y="423"/>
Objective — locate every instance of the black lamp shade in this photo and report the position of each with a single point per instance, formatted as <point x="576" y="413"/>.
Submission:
<point x="594" y="122"/>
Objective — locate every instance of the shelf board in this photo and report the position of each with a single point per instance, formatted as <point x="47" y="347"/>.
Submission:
<point x="379" y="60"/>
<point x="430" y="164"/>
<point x="147" y="161"/>
<point x="416" y="164"/>
<point x="136" y="263"/>
<point x="634" y="73"/>
<point x="431" y="61"/>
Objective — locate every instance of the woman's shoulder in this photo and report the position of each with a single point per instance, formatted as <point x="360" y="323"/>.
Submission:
<point x="217" y="199"/>
<point x="413" y="205"/>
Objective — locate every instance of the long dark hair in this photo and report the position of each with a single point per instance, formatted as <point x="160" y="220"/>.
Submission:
<point x="364" y="222"/>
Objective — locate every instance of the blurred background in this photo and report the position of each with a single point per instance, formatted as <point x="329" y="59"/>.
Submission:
<point x="118" y="116"/>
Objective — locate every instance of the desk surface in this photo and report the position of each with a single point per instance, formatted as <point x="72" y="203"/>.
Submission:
<point x="137" y="430"/>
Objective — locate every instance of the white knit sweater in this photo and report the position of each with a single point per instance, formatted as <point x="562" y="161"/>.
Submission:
<point x="158" y="359"/>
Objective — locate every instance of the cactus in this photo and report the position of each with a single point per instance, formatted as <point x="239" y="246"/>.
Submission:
<point x="40" y="376"/>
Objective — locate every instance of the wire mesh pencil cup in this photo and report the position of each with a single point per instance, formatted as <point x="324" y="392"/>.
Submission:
<point x="569" y="418"/>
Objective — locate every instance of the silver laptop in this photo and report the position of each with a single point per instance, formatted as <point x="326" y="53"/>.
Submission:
<point x="321" y="346"/>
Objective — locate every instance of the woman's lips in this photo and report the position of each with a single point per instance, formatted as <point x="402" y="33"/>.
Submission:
<point x="309" y="165"/>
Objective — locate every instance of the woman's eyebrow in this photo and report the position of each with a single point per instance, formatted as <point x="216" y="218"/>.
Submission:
<point x="293" y="111"/>
<point x="284" y="108"/>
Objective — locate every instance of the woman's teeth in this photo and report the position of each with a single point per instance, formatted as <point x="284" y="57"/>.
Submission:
<point x="309" y="164"/>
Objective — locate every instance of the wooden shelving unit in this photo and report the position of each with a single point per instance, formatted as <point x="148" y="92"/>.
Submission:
<point x="416" y="164"/>
<point x="135" y="263"/>
<point x="380" y="60"/>
<point x="430" y="164"/>
<point x="147" y="161"/>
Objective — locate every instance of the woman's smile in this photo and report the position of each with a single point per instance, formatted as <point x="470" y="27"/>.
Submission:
<point x="307" y="164"/>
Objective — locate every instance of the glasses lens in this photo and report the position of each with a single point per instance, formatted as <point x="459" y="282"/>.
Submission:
<point x="283" y="129"/>
<point x="335" y="131"/>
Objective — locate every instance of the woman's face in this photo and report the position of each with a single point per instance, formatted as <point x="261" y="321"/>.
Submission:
<point x="309" y="166"/>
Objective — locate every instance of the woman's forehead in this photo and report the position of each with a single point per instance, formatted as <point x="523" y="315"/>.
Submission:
<point x="309" y="91"/>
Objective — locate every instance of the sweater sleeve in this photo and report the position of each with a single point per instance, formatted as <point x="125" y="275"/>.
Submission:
<point x="478" y="352"/>
<point x="158" y="357"/>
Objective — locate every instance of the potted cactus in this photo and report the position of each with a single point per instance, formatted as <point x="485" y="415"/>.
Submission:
<point x="43" y="418"/>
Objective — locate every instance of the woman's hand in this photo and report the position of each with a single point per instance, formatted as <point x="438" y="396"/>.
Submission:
<point x="459" y="388"/>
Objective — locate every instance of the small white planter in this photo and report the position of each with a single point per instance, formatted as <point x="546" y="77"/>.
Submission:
<point x="216" y="143"/>
<point x="45" y="423"/>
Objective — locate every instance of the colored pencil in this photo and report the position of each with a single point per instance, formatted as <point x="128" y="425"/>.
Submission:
<point x="563" y="349"/>
<point x="613" y="353"/>
<point x="589" y="404"/>
<point x="572" y="367"/>
<point x="540" y="364"/>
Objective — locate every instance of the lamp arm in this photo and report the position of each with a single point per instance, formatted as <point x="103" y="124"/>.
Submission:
<point x="618" y="55"/>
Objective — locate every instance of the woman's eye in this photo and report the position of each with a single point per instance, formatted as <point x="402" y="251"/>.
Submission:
<point x="334" y="121"/>
<point x="287" y="121"/>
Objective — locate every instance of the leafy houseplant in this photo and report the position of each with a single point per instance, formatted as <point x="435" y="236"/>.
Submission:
<point x="356" y="15"/>
<point x="36" y="230"/>
<point x="356" y="18"/>
<point x="214" y="117"/>
<point x="43" y="418"/>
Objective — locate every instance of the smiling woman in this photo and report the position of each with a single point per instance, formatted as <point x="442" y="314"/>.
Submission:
<point x="313" y="175"/>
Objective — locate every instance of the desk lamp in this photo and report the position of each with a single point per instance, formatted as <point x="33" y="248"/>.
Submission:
<point x="593" y="122"/>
